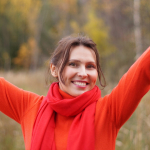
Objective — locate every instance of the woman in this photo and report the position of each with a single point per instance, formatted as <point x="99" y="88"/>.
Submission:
<point x="73" y="115"/>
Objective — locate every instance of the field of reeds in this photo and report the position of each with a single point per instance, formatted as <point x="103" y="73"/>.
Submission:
<point x="134" y="135"/>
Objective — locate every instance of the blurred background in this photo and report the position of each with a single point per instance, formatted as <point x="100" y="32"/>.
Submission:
<point x="31" y="29"/>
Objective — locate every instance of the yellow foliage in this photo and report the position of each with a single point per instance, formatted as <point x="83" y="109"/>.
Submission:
<point x="26" y="7"/>
<point x="2" y="6"/>
<point x="98" y="31"/>
<point x="25" y="54"/>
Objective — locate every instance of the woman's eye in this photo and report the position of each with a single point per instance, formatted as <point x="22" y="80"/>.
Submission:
<point x="72" y="64"/>
<point x="90" y="66"/>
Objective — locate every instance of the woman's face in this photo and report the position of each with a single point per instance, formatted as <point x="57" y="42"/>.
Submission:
<point x="80" y="73"/>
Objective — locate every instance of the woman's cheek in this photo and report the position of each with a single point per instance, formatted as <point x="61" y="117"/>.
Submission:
<point x="94" y="75"/>
<point x="70" y="72"/>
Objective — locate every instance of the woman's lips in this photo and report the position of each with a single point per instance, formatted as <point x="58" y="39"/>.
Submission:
<point x="82" y="84"/>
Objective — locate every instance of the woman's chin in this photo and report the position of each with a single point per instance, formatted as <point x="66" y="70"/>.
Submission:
<point x="76" y="93"/>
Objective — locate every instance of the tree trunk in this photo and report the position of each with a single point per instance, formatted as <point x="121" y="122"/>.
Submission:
<point x="37" y="24"/>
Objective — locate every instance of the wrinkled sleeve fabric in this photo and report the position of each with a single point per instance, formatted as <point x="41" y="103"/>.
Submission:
<point x="15" y="102"/>
<point x="125" y="97"/>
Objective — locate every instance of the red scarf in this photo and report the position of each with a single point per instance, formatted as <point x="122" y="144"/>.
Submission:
<point x="81" y="133"/>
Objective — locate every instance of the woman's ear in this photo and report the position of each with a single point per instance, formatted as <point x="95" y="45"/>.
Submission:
<point x="54" y="70"/>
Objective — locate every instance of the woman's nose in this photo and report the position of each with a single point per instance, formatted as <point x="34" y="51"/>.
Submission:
<point x="82" y="72"/>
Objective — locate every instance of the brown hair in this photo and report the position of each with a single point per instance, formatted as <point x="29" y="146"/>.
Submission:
<point x="61" y="54"/>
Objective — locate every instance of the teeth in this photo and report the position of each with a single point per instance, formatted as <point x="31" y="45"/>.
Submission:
<point x="80" y="83"/>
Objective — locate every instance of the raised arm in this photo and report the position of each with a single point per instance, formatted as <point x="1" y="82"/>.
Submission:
<point x="125" y="97"/>
<point x="15" y="102"/>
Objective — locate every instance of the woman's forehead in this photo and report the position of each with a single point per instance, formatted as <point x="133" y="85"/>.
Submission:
<point x="82" y="52"/>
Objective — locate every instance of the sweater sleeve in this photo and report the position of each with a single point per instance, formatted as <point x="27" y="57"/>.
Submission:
<point x="125" y="97"/>
<point x="15" y="102"/>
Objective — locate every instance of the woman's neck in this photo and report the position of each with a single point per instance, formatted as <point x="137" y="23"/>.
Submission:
<point x="65" y="95"/>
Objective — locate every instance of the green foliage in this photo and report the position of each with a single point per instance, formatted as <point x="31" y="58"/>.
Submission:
<point x="13" y="29"/>
<point x="108" y="23"/>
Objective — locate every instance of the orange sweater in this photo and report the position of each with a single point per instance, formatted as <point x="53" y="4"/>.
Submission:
<point x="112" y="111"/>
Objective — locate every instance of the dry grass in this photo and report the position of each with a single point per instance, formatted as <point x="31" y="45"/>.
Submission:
<point x="10" y="132"/>
<point x="30" y="81"/>
<point x="134" y="135"/>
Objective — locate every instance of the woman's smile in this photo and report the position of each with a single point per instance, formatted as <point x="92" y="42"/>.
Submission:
<point x="80" y="84"/>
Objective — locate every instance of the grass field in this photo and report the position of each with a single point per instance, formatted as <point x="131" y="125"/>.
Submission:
<point x="134" y="135"/>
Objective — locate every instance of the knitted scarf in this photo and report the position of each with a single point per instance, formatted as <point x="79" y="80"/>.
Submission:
<point x="81" y="133"/>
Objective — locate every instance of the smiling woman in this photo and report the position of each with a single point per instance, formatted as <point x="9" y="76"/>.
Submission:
<point x="61" y="55"/>
<point x="80" y="73"/>
<point x="73" y="115"/>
